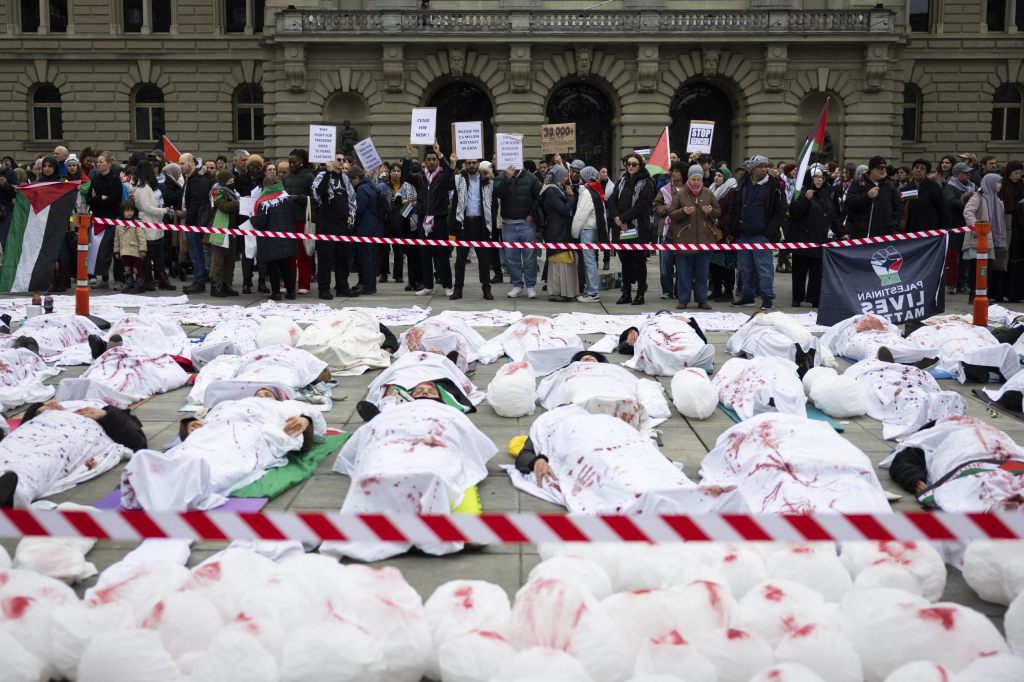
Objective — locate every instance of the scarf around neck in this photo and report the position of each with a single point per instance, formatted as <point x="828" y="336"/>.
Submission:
<point x="271" y="195"/>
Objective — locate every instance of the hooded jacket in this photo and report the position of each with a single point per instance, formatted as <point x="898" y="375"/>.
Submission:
<point x="774" y="211"/>
<point x="811" y="219"/>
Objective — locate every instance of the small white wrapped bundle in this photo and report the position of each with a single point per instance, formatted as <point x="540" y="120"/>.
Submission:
<point x="693" y="394"/>
<point x="513" y="390"/>
<point x="278" y="331"/>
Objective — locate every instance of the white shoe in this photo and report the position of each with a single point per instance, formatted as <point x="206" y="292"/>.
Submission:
<point x="588" y="299"/>
<point x="425" y="292"/>
<point x="516" y="292"/>
<point x="531" y="292"/>
<point x="302" y="291"/>
<point x="449" y="292"/>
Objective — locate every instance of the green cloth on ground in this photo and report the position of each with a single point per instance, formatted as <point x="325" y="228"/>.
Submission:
<point x="812" y="413"/>
<point x="300" y="467"/>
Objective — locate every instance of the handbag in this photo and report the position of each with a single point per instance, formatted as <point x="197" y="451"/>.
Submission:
<point x="309" y="244"/>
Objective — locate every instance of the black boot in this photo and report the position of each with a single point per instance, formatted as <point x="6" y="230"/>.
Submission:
<point x="627" y="296"/>
<point x="366" y="410"/>
<point x="8" y="484"/>
<point x="639" y="300"/>
<point x="456" y="294"/>
<point x="217" y="290"/>
<point x="488" y="296"/>
<point x="97" y="346"/>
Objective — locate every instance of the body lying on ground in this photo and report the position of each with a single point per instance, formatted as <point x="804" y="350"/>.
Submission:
<point x="665" y="344"/>
<point x="535" y="339"/>
<point x="762" y="384"/>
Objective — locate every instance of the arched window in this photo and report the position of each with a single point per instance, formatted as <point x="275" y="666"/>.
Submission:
<point x="702" y="101"/>
<point x="911" y="114"/>
<point x="249" y="113"/>
<point x="1006" y="113"/>
<point x="47" y="117"/>
<point x="592" y="112"/>
<point x="148" y="113"/>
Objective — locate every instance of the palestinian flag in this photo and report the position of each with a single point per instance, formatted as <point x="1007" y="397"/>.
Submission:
<point x="659" y="162"/>
<point x="42" y="215"/>
<point x="815" y="141"/>
<point x="171" y="153"/>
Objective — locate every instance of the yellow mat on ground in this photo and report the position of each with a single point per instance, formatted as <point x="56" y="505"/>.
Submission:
<point x="470" y="503"/>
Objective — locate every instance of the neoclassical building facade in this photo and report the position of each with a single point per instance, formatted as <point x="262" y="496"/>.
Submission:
<point x="926" y="77"/>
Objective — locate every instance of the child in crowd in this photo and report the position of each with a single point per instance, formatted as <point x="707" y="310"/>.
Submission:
<point x="130" y="247"/>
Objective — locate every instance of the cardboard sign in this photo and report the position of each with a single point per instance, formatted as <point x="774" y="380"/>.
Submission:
<point x="423" y="128"/>
<point x="558" y="138"/>
<point x="322" y="143"/>
<point x="699" y="139"/>
<point x="509" y="148"/>
<point x="468" y="140"/>
<point x="368" y="155"/>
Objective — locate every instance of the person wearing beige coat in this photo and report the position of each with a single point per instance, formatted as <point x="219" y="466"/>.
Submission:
<point x="692" y="220"/>
<point x="130" y="246"/>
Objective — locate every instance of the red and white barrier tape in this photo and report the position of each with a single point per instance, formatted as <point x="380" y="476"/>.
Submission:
<point x="573" y="246"/>
<point x="512" y="528"/>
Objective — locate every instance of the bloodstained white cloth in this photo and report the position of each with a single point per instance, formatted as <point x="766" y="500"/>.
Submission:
<point x="773" y="335"/>
<point x="418" y="457"/>
<point x="54" y="333"/>
<point x="959" y="342"/>
<point x="124" y="375"/>
<point x="22" y="373"/>
<point x="241" y="439"/>
<point x="278" y="365"/>
<point x="442" y="335"/>
<point x="536" y="339"/>
<point x="416" y="367"/>
<point x="667" y="344"/>
<point x="604" y="466"/>
<point x="55" y="451"/>
<point x="860" y="337"/>
<point x="153" y="334"/>
<point x="902" y="397"/>
<point x="233" y="336"/>
<point x="786" y="464"/>
<point x="349" y="342"/>
<point x="761" y="384"/>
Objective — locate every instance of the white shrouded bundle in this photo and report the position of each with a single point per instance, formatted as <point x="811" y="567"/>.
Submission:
<point x="278" y="331"/>
<point x="920" y="671"/>
<point x="776" y="607"/>
<point x="462" y="606"/>
<point x="133" y="656"/>
<point x="787" y="672"/>
<point x="815" y="566"/>
<point x="1002" y="668"/>
<point x="513" y="390"/>
<point x="995" y="570"/>
<point x="1013" y="625"/>
<point x="474" y="656"/>
<point x="60" y="558"/>
<point x="693" y="394"/>
<point x="539" y="664"/>
<point x="919" y="559"/>
<point x="580" y="572"/>
<point x="736" y="654"/>
<point x="834" y="394"/>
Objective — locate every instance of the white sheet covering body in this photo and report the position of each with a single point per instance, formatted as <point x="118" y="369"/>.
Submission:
<point x="54" y="333"/>
<point x="419" y="457"/>
<point x="535" y="339"/>
<point x="958" y="342"/>
<point x="860" y="337"/>
<point x="666" y="344"/>
<point x="958" y="441"/>
<point x="760" y="384"/>
<point x="442" y="335"/>
<point x="349" y="342"/>
<point x="902" y="397"/>
<point x="21" y="378"/>
<point x="277" y="364"/>
<point x="124" y="375"/>
<point x="55" y="451"/>
<point x="152" y="333"/>
<point x="232" y="336"/>
<point x="773" y="335"/>
<point x="605" y="466"/>
<point x="604" y="388"/>
<point x="793" y="465"/>
<point x="241" y="439"/>
<point x="416" y="367"/>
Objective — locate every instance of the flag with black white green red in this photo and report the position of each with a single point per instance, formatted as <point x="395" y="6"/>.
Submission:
<point x="41" y="217"/>
<point x="814" y="144"/>
<point x="659" y="160"/>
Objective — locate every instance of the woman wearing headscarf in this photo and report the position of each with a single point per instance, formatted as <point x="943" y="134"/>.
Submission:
<point x="693" y="214"/>
<point x="629" y="210"/>
<point x="563" y="285"/>
<point x="985" y="206"/>
<point x="225" y="202"/>
<point x="723" y="263"/>
<point x="662" y="203"/>
<point x="812" y="214"/>
<point x="590" y="222"/>
<point x="1012" y="196"/>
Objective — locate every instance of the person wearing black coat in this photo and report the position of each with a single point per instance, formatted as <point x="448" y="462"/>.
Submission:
<point x="275" y="211"/>
<point x="106" y="192"/>
<point x="812" y="214"/>
<point x="756" y="215"/>
<point x="433" y="185"/>
<point x="873" y="203"/>
<point x="563" y="282"/>
<point x="8" y="181"/>
<point x="925" y="207"/>
<point x="334" y="208"/>
<point x="121" y="426"/>
<point x="629" y="215"/>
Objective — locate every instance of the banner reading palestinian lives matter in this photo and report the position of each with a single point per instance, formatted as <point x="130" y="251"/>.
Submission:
<point x="901" y="281"/>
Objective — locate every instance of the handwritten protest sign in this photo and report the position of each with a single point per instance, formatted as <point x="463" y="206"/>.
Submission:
<point x="322" y="140"/>
<point x="468" y="140"/>
<point x="558" y="138"/>
<point x="367" y="154"/>
<point x="424" y="126"/>
<point x="699" y="139"/>
<point x="509" y="148"/>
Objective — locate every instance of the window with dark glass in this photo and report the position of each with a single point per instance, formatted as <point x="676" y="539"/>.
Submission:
<point x="47" y="117"/>
<point x="995" y="15"/>
<point x="234" y="21"/>
<point x="29" y="16"/>
<point x="58" y="16"/>
<point x="920" y="16"/>
<point x="911" y="114"/>
<point x="249" y="113"/>
<point x="257" y="17"/>
<point x="148" y="113"/>
<point x="132" y="18"/>
<point x="161" y="16"/>
<point x="1006" y="113"/>
<point x="1019" y="15"/>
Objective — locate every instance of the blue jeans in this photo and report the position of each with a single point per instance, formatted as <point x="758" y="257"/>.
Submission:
<point x="756" y="267"/>
<point x="667" y="262"/>
<point x="692" y="271"/>
<point x="589" y="236"/>
<point x="197" y="253"/>
<point x="522" y="263"/>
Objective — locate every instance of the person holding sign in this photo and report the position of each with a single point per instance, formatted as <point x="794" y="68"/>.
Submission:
<point x="471" y="218"/>
<point x="433" y="185"/>
<point x="334" y="201"/>
<point x="629" y="210"/>
<point x="275" y="211"/>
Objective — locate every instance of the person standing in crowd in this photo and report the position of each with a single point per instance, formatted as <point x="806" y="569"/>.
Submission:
<point x="609" y="186"/>
<point x="1013" y="195"/>
<point x="662" y="204"/>
<point x="60" y="153"/>
<point x="629" y="209"/>
<point x="693" y="216"/>
<point x="985" y="205"/>
<point x="334" y="207"/>
<point x="563" y="284"/>
<point x="590" y="222"/>
<point x="955" y="193"/>
<point x="873" y="203"/>
<point x="275" y="211"/>
<point x="517" y="192"/>
<point x="8" y="181"/>
<point x="149" y="205"/>
<point x="252" y="181"/>
<point x="401" y="224"/>
<point x="813" y="213"/>
<point x="224" y="201"/>
<point x="723" y="263"/>
<point x="972" y="161"/>
<point x="196" y="211"/>
<point x="176" y="253"/>
<point x="756" y="215"/>
<point x="368" y="224"/>
<point x="298" y="183"/>
<point x="433" y="185"/>
<point x="499" y="263"/>
<point x="471" y="218"/>
<point x="945" y="169"/>
<point x="130" y="245"/>
<point x="924" y="207"/>
<point x="988" y="164"/>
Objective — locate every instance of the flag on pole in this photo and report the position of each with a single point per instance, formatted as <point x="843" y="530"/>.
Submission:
<point x="171" y="153"/>
<point x="658" y="163"/>
<point x="42" y="216"/>
<point x="815" y="141"/>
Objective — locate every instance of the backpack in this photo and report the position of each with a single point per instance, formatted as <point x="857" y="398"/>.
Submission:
<point x="383" y="208"/>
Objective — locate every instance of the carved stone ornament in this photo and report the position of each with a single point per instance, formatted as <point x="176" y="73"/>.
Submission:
<point x="775" y="67"/>
<point x="711" y="61"/>
<point x="393" y="64"/>
<point x="295" y="67"/>
<point x="875" y="68"/>
<point x="519" y="67"/>
<point x="647" y="68"/>
<point x="457" y="61"/>
<point x="584" y="60"/>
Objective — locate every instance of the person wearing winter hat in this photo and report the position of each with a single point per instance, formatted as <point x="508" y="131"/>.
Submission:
<point x="873" y="203"/>
<point x="723" y="263"/>
<point x="925" y="208"/>
<point x="957" y="189"/>
<point x="590" y="225"/>
<point x="225" y="203"/>
<point x="693" y="217"/>
<point x="812" y="215"/>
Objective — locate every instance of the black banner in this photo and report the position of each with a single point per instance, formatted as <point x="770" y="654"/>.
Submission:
<point x="900" y="281"/>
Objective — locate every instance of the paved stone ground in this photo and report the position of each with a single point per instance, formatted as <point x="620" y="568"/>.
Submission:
<point x="683" y="440"/>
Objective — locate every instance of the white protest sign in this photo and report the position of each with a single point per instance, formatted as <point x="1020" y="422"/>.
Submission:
<point x="423" y="129"/>
<point x="368" y="155"/>
<point x="468" y="140"/>
<point x="322" y="141"/>
<point x="509" y="148"/>
<point x="699" y="139"/>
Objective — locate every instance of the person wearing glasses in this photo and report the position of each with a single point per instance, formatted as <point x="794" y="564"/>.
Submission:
<point x="873" y="204"/>
<point x="629" y="215"/>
